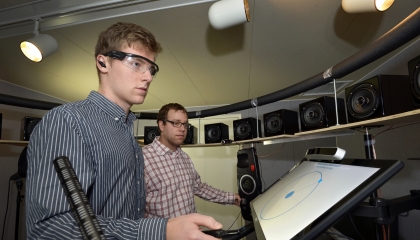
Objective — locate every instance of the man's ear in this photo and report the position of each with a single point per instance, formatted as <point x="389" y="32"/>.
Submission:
<point x="161" y="125"/>
<point x="101" y="63"/>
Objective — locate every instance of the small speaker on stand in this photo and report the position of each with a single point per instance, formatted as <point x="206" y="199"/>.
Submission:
<point x="215" y="133"/>
<point x="280" y="122"/>
<point x="28" y="126"/>
<point x="320" y="113"/>
<point x="191" y="137"/>
<point x="150" y="132"/>
<point x="246" y="128"/>
<point x="414" y="77"/>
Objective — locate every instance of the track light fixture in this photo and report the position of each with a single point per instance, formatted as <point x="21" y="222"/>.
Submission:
<point x="228" y="13"/>
<point x="40" y="46"/>
<point x="360" y="6"/>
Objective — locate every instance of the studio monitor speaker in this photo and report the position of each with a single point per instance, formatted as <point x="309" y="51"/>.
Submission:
<point x="191" y="137"/>
<point x="150" y="132"/>
<point x="320" y="113"/>
<point x="249" y="180"/>
<point x="28" y="125"/>
<point x="215" y="133"/>
<point x="414" y="77"/>
<point x="379" y="96"/>
<point x="246" y="128"/>
<point x="280" y="122"/>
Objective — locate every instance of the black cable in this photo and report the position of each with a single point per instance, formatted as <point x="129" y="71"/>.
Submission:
<point x="360" y="235"/>
<point x="7" y="207"/>
<point x="235" y="220"/>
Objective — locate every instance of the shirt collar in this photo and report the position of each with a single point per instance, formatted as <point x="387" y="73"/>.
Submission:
<point x="161" y="149"/>
<point x="109" y="107"/>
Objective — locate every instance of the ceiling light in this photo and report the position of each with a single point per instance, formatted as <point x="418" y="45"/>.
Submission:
<point x="360" y="6"/>
<point x="228" y="13"/>
<point x="40" y="46"/>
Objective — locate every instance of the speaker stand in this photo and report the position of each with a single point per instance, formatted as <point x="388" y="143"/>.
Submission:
<point x="19" y="185"/>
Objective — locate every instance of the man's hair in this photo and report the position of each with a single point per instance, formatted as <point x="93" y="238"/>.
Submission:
<point x="163" y="112"/>
<point x="123" y="34"/>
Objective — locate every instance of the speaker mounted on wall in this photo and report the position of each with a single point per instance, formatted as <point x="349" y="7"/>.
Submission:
<point x="28" y="126"/>
<point x="280" y="122"/>
<point x="191" y="137"/>
<point x="320" y="113"/>
<point x="246" y="128"/>
<point x="216" y="132"/>
<point x="249" y="180"/>
<point x="150" y="132"/>
<point x="414" y="77"/>
<point x="379" y="96"/>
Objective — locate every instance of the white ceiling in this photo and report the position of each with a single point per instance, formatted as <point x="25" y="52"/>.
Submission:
<point x="285" y="42"/>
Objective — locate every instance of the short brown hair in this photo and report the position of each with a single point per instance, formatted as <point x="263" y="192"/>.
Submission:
<point x="163" y="112"/>
<point x="123" y="34"/>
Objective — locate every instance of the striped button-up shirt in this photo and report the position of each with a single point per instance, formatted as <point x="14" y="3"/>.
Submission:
<point x="97" y="137"/>
<point x="172" y="182"/>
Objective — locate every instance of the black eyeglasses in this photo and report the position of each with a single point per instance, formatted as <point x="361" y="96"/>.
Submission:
<point x="178" y="124"/>
<point x="136" y="62"/>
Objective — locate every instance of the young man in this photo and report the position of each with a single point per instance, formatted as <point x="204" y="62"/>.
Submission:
<point x="96" y="134"/>
<point x="170" y="177"/>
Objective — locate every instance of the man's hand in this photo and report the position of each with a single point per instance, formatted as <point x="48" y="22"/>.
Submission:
<point x="237" y="200"/>
<point x="187" y="227"/>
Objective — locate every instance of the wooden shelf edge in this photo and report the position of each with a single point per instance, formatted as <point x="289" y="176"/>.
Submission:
<point x="406" y="117"/>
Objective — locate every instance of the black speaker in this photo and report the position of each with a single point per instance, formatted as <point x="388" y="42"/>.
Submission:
<point x="28" y="125"/>
<point x="191" y="137"/>
<point x="216" y="132"/>
<point x="320" y="113"/>
<point x="246" y="128"/>
<point x="414" y="76"/>
<point x="249" y="180"/>
<point x="379" y="96"/>
<point x="280" y="122"/>
<point x="150" y="132"/>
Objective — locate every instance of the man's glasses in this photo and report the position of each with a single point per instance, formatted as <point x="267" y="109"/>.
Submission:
<point x="136" y="62"/>
<point x="178" y="124"/>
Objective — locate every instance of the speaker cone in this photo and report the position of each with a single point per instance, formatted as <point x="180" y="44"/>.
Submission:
<point x="273" y="123"/>
<point x="243" y="129"/>
<point x="247" y="184"/>
<point x="32" y="124"/>
<point x="313" y="115"/>
<point x="152" y="134"/>
<point x="363" y="101"/>
<point x="214" y="133"/>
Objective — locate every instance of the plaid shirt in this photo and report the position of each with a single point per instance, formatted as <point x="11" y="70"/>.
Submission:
<point x="172" y="181"/>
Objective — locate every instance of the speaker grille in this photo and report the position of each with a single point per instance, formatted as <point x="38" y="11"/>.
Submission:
<point x="414" y="75"/>
<point x="242" y="130"/>
<point x="214" y="133"/>
<point x="273" y="123"/>
<point x="313" y="114"/>
<point x="150" y="132"/>
<point x="363" y="101"/>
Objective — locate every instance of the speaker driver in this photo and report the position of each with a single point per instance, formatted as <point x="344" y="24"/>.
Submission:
<point x="214" y="133"/>
<point x="242" y="130"/>
<point x="363" y="101"/>
<point x="247" y="184"/>
<point x="152" y="134"/>
<point x="273" y="123"/>
<point x="313" y="114"/>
